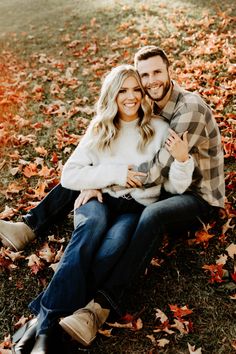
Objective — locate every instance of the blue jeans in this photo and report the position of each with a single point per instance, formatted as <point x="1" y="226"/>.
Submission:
<point x="171" y="213"/>
<point x="51" y="210"/>
<point x="101" y="235"/>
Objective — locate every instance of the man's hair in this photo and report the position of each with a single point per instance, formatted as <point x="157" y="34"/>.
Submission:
<point x="150" y="51"/>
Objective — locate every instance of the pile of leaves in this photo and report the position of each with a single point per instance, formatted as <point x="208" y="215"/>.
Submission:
<point x="47" y="97"/>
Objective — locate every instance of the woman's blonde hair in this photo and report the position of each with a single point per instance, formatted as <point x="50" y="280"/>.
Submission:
<point x="104" y="127"/>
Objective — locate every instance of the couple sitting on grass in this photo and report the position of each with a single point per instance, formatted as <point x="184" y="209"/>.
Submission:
<point x="150" y="161"/>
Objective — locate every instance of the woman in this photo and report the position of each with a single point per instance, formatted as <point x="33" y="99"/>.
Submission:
<point x="121" y="135"/>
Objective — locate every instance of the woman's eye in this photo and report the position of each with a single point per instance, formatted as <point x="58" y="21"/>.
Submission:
<point x="138" y="90"/>
<point x="122" y="91"/>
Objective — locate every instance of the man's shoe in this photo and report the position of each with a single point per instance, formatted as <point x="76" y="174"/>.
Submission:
<point x="83" y="324"/>
<point x="41" y="345"/>
<point x="15" y="235"/>
<point x="24" y="338"/>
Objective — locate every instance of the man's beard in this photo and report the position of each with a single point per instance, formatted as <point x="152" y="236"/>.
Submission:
<point x="166" y="86"/>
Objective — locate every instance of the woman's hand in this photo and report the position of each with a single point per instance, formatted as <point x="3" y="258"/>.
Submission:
<point x="86" y="195"/>
<point x="177" y="147"/>
<point x="132" y="181"/>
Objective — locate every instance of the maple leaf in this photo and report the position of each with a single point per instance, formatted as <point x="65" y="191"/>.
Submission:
<point x="162" y="342"/>
<point x="231" y="249"/>
<point x="38" y="192"/>
<point x="135" y="325"/>
<point x="216" y="272"/>
<point x="41" y="150"/>
<point x="180" y="312"/>
<point x="222" y="259"/>
<point x="203" y="236"/>
<point x="181" y="326"/>
<point x="30" y="170"/>
<point x="34" y="263"/>
<point x="46" y="253"/>
<point x="6" y="344"/>
<point x="7" y="213"/>
<point x="161" y="315"/>
<point x="192" y="350"/>
<point x="105" y="332"/>
<point x="14" y="256"/>
<point x="14" y="188"/>
<point x="227" y="226"/>
<point x="52" y="238"/>
<point x="6" y="263"/>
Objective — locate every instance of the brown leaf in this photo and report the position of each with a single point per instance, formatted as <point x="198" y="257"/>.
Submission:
<point x="231" y="249"/>
<point x="46" y="253"/>
<point x="162" y="342"/>
<point x="34" y="263"/>
<point x="192" y="350"/>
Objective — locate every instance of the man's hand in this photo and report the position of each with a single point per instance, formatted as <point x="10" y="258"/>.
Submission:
<point x="86" y="195"/>
<point x="132" y="181"/>
<point x="177" y="147"/>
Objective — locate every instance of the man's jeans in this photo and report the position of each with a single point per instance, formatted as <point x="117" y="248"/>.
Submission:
<point x="102" y="233"/>
<point x="51" y="210"/>
<point x="165" y="215"/>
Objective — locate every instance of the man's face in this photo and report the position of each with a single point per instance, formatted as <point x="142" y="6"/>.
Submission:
<point x="155" y="77"/>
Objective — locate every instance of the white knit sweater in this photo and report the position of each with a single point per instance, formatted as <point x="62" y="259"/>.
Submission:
<point x="90" y="168"/>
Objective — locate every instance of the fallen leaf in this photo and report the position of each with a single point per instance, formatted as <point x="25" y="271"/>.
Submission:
<point x="192" y="350"/>
<point x="161" y="315"/>
<point x="222" y="259"/>
<point x="46" y="253"/>
<point x="105" y="332"/>
<point x="216" y="272"/>
<point x="34" y="263"/>
<point x="180" y="312"/>
<point x="231" y="249"/>
<point x="162" y="342"/>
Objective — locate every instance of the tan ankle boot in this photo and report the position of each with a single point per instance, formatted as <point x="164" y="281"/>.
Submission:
<point x="15" y="235"/>
<point x="84" y="323"/>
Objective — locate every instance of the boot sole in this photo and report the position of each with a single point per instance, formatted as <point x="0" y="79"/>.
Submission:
<point x="74" y="334"/>
<point x="11" y="245"/>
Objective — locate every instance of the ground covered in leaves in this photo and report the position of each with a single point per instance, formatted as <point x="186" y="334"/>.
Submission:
<point x="53" y="56"/>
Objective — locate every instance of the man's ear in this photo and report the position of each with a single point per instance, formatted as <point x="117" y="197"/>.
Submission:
<point x="170" y="70"/>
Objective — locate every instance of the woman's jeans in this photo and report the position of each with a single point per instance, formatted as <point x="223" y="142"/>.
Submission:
<point x="173" y="212"/>
<point x="102" y="233"/>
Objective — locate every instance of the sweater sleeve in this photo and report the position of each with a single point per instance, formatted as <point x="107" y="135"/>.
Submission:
<point x="83" y="170"/>
<point x="180" y="176"/>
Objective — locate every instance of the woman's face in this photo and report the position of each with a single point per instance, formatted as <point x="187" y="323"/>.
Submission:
<point x="129" y="99"/>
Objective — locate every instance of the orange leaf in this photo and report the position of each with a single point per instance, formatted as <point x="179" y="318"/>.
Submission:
<point x="180" y="311"/>
<point x="30" y="170"/>
<point x="216" y="272"/>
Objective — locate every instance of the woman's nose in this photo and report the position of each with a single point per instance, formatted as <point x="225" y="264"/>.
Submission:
<point x="131" y="94"/>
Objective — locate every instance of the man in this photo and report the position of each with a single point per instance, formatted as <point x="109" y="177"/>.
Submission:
<point x="185" y="111"/>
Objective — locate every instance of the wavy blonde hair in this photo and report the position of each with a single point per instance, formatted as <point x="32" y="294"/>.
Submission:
<point x="104" y="128"/>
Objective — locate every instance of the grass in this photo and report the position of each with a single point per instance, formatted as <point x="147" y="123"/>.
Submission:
<point x="55" y="53"/>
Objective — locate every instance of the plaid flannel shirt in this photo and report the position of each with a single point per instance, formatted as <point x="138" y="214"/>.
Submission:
<point x="186" y="111"/>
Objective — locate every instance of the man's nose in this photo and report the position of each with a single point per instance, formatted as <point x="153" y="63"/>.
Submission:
<point x="152" y="78"/>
